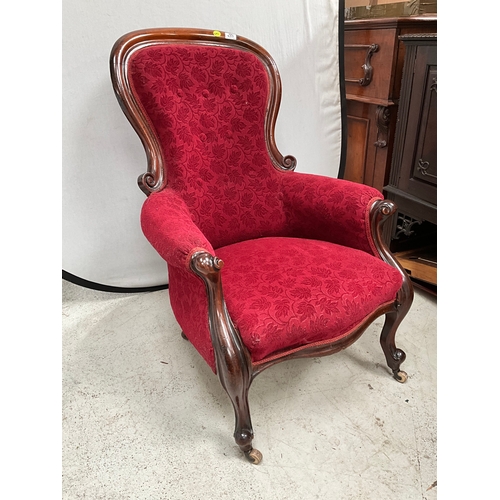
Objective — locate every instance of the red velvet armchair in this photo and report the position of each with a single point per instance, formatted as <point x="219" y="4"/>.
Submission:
<point x="265" y="264"/>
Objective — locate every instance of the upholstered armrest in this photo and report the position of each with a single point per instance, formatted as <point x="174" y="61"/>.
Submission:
<point x="167" y="224"/>
<point x="328" y="209"/>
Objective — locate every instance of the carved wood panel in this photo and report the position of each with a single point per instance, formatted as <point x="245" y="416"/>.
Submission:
<point x="419" y="148"/>
<point x="425" y="162"/>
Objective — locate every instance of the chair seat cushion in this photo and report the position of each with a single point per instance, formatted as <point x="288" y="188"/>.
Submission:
<point x="284" y="293"/>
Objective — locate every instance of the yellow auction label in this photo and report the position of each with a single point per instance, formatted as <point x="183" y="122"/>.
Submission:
<point x="217" y="33"/>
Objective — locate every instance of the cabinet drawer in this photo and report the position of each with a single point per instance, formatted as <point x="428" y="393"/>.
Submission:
<point x="369" y="58"/>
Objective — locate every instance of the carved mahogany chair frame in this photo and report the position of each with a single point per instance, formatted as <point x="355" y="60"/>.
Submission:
<point x="233" y="361"/>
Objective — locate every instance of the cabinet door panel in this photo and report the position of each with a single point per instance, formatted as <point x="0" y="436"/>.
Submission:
<point x="425" y="164"/>
<point x="420" y="150"/>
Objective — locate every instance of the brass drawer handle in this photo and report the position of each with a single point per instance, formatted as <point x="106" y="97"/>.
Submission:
<point x="367" y="67"/>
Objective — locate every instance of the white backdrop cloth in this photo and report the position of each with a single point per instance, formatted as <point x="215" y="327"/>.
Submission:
<point x="102" y="156"/>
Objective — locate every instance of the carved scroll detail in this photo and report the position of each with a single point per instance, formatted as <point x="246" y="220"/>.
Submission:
<point x="434" y="86"/>
<point x="422" y="168"/>
<point x="148" y="183"/>
<point x="289" y="163"/>
<point x="383" y="117"/>
<point x="405" y="225"/>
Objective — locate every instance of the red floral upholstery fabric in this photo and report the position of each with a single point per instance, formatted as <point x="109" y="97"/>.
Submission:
<point x="208" y="106"/>
<point x="299" y="256"/>
<point x="285" y="293"/>
<point x="328" y="209"/>
<point x="169" y="227"/>
<point x="188" y="299"/>
<point x="314" y="206"/>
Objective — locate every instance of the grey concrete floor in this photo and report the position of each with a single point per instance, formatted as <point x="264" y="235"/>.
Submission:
<point x="145" y="418"/>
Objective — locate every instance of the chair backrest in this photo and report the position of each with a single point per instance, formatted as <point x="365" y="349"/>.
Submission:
<point x="204" y="104"/>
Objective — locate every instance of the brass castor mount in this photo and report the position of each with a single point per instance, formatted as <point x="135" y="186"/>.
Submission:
<point x="401" y="376"/>
<point x="254" y="456"/>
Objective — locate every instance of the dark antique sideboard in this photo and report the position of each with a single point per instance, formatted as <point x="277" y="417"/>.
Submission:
<point x="413" y="177"/>
<point x="374" y="57"/>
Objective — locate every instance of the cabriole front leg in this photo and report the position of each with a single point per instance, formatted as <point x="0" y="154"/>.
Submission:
<point x="233" y="362"/>
<point x="380" y="212"/>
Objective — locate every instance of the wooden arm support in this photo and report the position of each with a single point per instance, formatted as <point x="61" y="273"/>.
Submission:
<point x="233" y="361"/>
<point x="380" y="211"/>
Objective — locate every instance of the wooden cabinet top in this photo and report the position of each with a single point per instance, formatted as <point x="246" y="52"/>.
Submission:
<point x="390" y="22"/>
